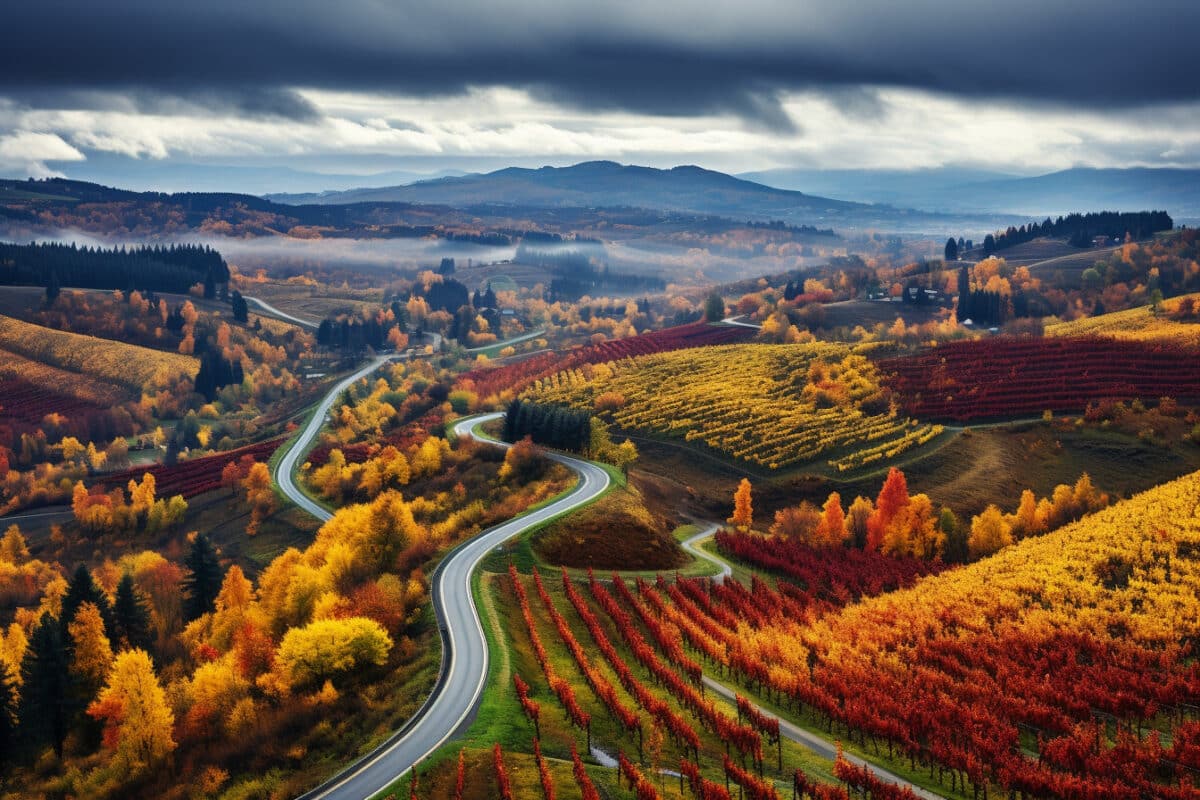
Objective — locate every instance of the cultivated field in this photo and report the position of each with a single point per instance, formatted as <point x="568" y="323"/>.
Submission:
<point x="1141" y="324"/>
<point x="116" y="362"/>
<point x="775" y="406"/>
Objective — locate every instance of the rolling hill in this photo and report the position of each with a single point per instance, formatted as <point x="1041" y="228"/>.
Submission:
<point x="605" y="184"/>
<point x="970" y="191"/>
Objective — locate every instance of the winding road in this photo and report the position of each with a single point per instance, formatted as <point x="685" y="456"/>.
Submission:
<point x="459" y="688"/>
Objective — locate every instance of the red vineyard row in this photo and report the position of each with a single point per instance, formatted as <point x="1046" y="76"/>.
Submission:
<point x="829" y="578"/>
<point x="1009" y="377"/>
<point x="194" y="477"/>
<point x="960" y="707"/>
<point x="515" y="377"/>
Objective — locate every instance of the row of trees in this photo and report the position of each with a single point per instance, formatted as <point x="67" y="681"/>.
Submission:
<point x="909" y="525"/>
<point x="548" y="424"/>
<point x="173" y="268"/>
<point x="1079" y="229"/>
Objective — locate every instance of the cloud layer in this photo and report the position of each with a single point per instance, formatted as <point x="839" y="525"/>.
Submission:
<point x="600" y="78"/>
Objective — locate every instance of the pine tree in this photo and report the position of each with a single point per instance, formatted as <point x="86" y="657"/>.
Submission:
<point x="46" y="698"/>
<point x="241" y="312"/>
<point x="131" y="617"/>
<point x="951" y="252"/>
<point x="204" y="582"/>
<point x="714" y="308"/>
<point x="83" y="589"/>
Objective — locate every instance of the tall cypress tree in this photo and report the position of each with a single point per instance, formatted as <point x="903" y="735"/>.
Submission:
<point x="47" y="702"/>
<point x="129" y="613"/>
<point x="204" y="583"/>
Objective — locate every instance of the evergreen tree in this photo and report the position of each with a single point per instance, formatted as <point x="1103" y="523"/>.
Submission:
<point x="241" y="312"/>
<point x="714" y="308"/>
<point x="951" y="249"/>
<point x="130" y="615"/>
<point x="46" y="704"/>
<point x="82" y="589"/>
<point x="204" y="582"/>
<point x="963" y="311"/>
<point x="52" y="288"/>
<point x="989" y="244"/>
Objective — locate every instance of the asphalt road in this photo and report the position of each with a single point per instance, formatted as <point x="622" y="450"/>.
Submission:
<point x="286" y="466"/>
<point x="455" y="697"/>
<point x="275" y="312"/>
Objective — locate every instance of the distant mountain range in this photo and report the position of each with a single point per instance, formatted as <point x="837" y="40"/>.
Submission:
<point x="966" y="191"/>
<point x="607" y="184"/>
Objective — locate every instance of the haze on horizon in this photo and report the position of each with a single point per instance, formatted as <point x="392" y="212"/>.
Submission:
<point x="236" y="96"/>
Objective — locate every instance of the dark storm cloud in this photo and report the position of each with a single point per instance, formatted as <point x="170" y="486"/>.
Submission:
<point x="684" y="59"/>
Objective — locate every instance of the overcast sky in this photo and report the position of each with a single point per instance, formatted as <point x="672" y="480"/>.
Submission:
<point x="150" y="89"/>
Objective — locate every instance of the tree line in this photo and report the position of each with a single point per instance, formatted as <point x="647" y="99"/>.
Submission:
<point x="1079" y="229"/>
<point x="547" y="424"/>
<point x="170" y="268"/>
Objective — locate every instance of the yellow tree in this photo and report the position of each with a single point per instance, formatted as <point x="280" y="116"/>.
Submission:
<point x="1026" y="522"/>
<point x="92" y="652"/>
<point x="259" y="495"/>
<point x="13" y="549"/>
<point x="137" y="720"/>
<point x="990" y="532"/>
<point x="743" y="509"/>
<point x="141" y="495"/>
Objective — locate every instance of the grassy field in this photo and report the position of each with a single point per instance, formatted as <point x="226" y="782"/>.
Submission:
<point x="869" y="313"/>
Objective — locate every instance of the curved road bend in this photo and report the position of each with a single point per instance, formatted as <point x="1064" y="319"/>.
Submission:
<point x="275" y="312"/>
<point x="464" y="670"/>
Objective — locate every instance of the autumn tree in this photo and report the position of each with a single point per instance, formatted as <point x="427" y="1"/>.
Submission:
<point x="743" y="511"/>
<point x="204" y="582"/>
<point x="13" y="549"/>
<point x="831" y="531"/>
<point x="137" y="718"/>
<point x="893" y="498"/>
<point x="259" y="494"/>
<point x="46" y="706"/>
<point x="797" y="522"/>
<point x="858" y="521"/>
<point x="913" y="531"/>
<point x="91" y="651"/>
<point x="990" y="532"/>
<point x="331" y="648"/>
<point x="1026" y="521"/>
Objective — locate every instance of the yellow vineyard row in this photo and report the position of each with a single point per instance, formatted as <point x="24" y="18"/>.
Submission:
<point x="772" y="405"/>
